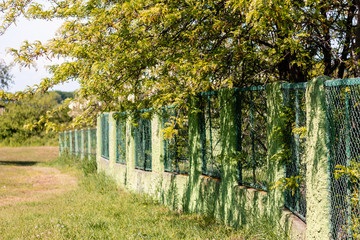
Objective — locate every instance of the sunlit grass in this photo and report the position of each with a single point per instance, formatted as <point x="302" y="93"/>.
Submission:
<point x="97" y="209"/>
<point x="28" y="154"/>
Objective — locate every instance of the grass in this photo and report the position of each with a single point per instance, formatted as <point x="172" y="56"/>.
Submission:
<point x="96" y="209"/>
<point x="33" y="141"/>
<point x="28" y="155"/>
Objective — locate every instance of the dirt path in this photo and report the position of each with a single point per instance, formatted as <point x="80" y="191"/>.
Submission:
<point x="23" y="180"/>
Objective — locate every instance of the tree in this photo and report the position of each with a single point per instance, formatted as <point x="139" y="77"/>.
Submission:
<point x="16" y="123"/>
<point x="133" y="54"/>
<point x="5" y="77"/>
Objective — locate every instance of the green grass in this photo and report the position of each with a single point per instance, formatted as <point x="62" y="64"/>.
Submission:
<point x="97" y="209"/>
<point x="33" y="141"/>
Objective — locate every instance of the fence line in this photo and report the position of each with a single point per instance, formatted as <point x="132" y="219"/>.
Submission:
<point x="250" y="126"/>
<point x="86" y="143"/>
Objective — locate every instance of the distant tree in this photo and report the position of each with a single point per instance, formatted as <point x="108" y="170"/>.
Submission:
<point x="65" y="95"/>
<point x="16" y="123"/>
<point x="5" y="76"/>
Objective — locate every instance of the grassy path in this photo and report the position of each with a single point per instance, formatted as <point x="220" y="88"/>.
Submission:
<point x="39" y="201"/>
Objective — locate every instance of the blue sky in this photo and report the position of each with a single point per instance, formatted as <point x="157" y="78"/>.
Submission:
<point x="30" y="31"/>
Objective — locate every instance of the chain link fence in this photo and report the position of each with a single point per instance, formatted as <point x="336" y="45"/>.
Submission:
<point x="343" y="138"/>
<point x="86" y="142"/>
<point x="142" y="137"/>
<point x="343" y="116"/>
<point x="93" y="141"/>
<point x="104" y="121"/>
<point x="295" y="169"/>
<point x="120" y="138"/>
<point x="210" y="134"/>
<point x="252" y="137"/>
<point x="62" y="142"/>
<point x="78" y="142"/>
<point x="176" y="145"/>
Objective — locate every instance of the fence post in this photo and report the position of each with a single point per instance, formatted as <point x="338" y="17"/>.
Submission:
<point x="130" y="152"/>
<point x="88" y="135"/>
<point x="60" y="143"/>
<point x="98" y="141"/>
<point x="71" y="144"/>
<point x="81" y="148"/>
<point x="228" y="143"/>
<point x="76" y="145"/>
<point x="65" y="145"/>
<point x="112" y="142"/>
<point x="277" y="148"/>
<point x="156" y="144"/>
<point x="195" y="157"/>
<point x="317" y="214"/>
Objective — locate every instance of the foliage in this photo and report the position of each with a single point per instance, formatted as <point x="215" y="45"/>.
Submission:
<point x="16" y="123"/>
<point x="5" y="77"/>
<point x="151" y="53"/>
<point x="65" y="95"/>
<point x="291" y="183"/>
<point x="352" y="173"/>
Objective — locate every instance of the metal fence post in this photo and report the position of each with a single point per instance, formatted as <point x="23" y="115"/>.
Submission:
<point x="276" y="128"/>
<point x="317" y="218"/>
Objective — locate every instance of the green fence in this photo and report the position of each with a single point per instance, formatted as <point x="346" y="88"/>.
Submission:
<point x="294" y="100"/>
<point x="120" y="138"/>
<point x="93" y="141"/>
<point x="176" y="146"/>
<point x="210" y="134"/>
<point x="142" y="137"/>
<point x="342" y="109"/>
<point x="252" y="136"/>
<point x="343" y="115"/>
<point x="78" y="142"/>
<point x="85" y="142"/>
<point x="62" y="142"/>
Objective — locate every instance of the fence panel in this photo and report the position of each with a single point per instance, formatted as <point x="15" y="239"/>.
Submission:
<point x="210" y="134"/>
<point x="72" y="142"/>
<point x="105" y="136"/>
<point x="343" y="115"/>
<point x="61" y="142"/>
<point x="79" y="142"/>
<point x="294" y="100"/>
<point x="93" y="140"/>
<point x="121" y="138"/>
<point x="85" y="142"/>
<point x="176" y="148"/>
<point x="143" y="148"/>
<point x="252" y="137"/>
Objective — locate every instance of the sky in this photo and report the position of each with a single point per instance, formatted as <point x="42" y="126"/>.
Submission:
<point x="30" y="30"/>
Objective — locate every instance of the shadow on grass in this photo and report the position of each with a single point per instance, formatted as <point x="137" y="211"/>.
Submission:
<point x="18" y="163"/>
